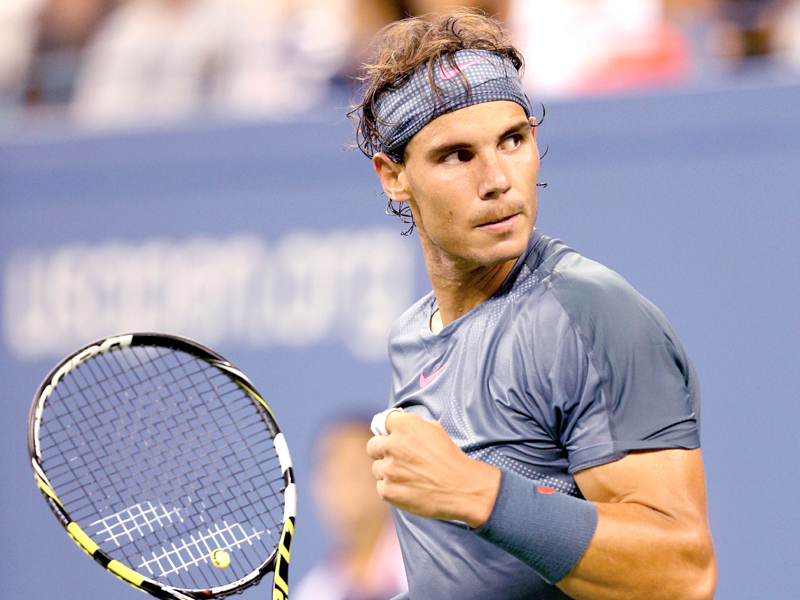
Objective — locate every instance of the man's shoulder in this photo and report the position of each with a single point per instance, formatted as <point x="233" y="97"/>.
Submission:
<point x="571" y="273"/>
<point x="584" y="285"/>
<point x="597" y="299"/>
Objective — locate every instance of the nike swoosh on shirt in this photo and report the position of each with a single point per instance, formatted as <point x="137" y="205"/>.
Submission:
<point x="424" y="381"/>
<point x="450" y="73"/>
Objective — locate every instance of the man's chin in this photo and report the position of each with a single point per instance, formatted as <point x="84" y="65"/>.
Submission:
<point x="502" y="253"/>
<point x="509" y="248"/>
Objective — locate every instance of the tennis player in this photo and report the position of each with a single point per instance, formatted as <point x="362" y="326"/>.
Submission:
<point x="549" y="441"/>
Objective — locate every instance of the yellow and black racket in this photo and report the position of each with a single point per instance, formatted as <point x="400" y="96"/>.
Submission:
<point x="166" y="466"/>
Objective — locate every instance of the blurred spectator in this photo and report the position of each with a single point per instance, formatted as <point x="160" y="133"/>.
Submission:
<point x="590" y="46"/>
<point x="363" y="561"/>
<point x="63" y="28"/>
<point x="158" y="60"/>
<point x="745" y="29"/>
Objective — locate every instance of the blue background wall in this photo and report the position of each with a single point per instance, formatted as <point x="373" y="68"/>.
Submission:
<point x="693" y="197"/>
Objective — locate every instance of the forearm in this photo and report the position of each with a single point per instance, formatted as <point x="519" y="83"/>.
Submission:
<point x="638" y="552"/>
<point x="601" y="551"/>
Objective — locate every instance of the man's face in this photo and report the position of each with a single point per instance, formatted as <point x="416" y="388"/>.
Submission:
<point x="471" y="176"/>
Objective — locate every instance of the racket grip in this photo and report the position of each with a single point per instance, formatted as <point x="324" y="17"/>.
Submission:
<point x="378" y="425"/>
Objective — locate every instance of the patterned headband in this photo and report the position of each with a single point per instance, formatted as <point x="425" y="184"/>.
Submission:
<point x="401" y="113"/>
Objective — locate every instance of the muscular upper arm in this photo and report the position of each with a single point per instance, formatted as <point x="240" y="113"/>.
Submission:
<point x="652" y="538"/>
<point x="671" y="482"/>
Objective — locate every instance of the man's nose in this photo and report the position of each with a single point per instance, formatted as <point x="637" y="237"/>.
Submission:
<point x="494" y="179"/>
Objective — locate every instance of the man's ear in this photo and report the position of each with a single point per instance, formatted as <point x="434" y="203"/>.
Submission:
<point x="392" y="176"/>
<point x="532" y="121"/>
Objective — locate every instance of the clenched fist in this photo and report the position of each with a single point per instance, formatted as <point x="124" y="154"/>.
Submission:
<point x="421" y="470"/>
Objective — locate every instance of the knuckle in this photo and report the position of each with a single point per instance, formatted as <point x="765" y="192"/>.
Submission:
<point x="370" y="447"/>
<point x="413" y="418"/>
<point x="382" y="489"/>
<point x="376" y="447"/>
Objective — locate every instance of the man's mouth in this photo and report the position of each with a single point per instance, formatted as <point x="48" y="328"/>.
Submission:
<point x="501" y="225"/>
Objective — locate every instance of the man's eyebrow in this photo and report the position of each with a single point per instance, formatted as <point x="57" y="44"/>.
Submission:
<point x="519" y="128"/>
<point x="445" y="149"/>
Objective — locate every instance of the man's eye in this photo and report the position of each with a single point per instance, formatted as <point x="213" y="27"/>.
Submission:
<point x="457" y="156"/>
<point x="511" y="143"/>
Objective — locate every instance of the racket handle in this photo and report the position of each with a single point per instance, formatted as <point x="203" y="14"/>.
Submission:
<point x="378" y="425"/>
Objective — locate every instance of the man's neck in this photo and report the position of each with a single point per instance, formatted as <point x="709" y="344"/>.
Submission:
<point x="459" y="290"/>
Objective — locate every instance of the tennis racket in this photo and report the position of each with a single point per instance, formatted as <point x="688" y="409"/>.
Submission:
<point x="166" y="466"/>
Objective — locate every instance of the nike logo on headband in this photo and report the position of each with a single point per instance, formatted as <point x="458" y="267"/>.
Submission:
<point x="450" y="73"/>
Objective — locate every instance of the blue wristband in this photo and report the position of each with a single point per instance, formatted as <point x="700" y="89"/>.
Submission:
<point x="547" y="530"/>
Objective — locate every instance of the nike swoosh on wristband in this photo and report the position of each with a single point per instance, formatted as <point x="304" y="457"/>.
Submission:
<point x="424" y="381"/>
<point x="450" y="73"/>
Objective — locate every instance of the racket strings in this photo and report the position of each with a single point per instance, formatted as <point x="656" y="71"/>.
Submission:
<point x="166" y="471"/>
<point x="104" y="438"/>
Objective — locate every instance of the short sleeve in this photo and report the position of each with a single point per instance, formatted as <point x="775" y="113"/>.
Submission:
<point x="619" y="379"/>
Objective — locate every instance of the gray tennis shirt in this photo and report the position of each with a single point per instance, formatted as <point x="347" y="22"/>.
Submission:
<point x="566" y="367"/>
